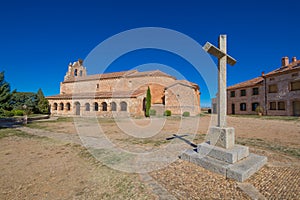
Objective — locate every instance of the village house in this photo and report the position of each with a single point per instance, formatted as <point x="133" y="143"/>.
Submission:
<point x="277" y="92"/>
<point x="122" y="93"/>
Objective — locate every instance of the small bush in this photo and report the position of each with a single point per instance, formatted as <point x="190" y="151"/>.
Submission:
<point x="18" y="112"/>
<point x="186" y="114"/>
<point x="8" y="113"/>
<point x="167" y="113"/>
<point x="152" y="112"/>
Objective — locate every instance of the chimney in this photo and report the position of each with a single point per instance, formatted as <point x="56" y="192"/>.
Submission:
<point x="285" y="61"/>
<point x="294" y="59"/>
<point x="262" y="74"/>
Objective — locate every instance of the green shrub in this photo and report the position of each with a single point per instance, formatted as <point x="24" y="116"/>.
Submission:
<point x="167" y="113"/>
<point x="186" y="114"/>
<point x="152" y="112"/>
<point x="18" y="112"/>
<point x="8" y="113"/>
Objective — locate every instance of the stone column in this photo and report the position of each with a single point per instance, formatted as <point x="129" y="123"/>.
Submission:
<point x="222" y="99"/>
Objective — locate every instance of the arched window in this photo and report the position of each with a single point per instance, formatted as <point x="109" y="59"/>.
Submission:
<point x="123" y="105"/>
<point x="55" y="106"/>
<point x="113" y="106"/>
<point x="61" y="106"/>
<point x="75" y="72"/>
<point x="96" y="107"/>
<point x="68" y="106"/>
<point x="80" y="73"/>
<point x="104" y="106"/>
<point x="77" y="108"/>
<point x="87" y="107"/>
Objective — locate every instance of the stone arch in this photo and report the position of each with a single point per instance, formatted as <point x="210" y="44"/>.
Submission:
<point x="96" y="106"/>
<point x="113" y="106"/>
<point x="123" y="105"/>
<point x="104" y="106"/>
<point x="55" y="106"/>
<point x="77" y="108"/>
<point x="68" y="105"/>
<point x="87" y="107"/>
<point x="61" y="106"/>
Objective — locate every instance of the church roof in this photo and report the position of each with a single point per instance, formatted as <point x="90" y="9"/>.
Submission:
<point x="113" y="75"/>
<point x="99" y="95"/>
<point x="185" y="83"/>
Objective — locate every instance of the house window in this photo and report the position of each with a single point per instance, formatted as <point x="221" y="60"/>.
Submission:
<point x="75" y="72"/>
<point x="97" y="86"/>
<point x="295" y="74"/>
<point x="295" y="85"/>
<point x="272" y="105"/>
<point x="272" y="79"/>
<point x="281" y="105"/>
<point x="273" y="88"/>
<point x="243" y="93"/>
<point x="254" y="106"/>
<point x="254" y="91"/>
<point x="243" y="107"/>
<point x="232" y="93"/>
<point x="80" y="73"/>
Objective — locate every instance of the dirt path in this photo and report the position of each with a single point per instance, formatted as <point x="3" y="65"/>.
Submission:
<point x="59" y="168"/>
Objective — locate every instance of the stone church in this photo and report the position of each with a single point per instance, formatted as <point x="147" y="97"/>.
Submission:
<point x="122" y="93"/>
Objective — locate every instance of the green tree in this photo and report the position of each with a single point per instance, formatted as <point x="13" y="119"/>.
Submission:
<point x="148" y="102"/>
<point x="21" y="99"/>
<point x="4" y="93"/>
<point x="43" y="104"/>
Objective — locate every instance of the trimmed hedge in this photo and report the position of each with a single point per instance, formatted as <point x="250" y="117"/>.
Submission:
<point x="152" y="112"/>
<point x="186" y="114"/>
<point x="167" y="113"/>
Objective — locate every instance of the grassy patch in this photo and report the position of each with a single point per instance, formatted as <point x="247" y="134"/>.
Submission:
<point x="284" y="118"/>
<point x="256" y="142"/>
<point x="7" y="132"/>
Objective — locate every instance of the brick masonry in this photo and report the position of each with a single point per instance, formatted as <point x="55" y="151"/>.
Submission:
<point x="122" y="93"/>
<point x="277" y="92"/>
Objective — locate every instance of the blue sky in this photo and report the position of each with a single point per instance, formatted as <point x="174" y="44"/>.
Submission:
<point x="39" y="38"/>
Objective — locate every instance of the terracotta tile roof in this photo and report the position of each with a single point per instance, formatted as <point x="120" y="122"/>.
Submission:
<point x="249" y="83"/>
<point x="130" y="73"/>
<point x="184" y="82"/>
<point x="99" y="95"/>
<point x="284" y="69"/>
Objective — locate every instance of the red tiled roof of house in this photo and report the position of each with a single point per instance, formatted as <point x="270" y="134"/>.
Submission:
<point x="100" y="95"/>
<point x="248" y="83"/>
<point x="284" y="69"/>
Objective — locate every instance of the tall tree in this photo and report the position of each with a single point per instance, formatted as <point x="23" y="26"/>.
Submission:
<point x="43" y="104"/>
<point x="4" y="93"/>
<point x="148" y="102"/>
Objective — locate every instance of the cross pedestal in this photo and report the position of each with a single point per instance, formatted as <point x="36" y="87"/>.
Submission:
<point x="219" y="153"/>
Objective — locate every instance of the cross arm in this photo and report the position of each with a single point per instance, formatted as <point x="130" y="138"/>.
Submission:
<point x="211" y="49"/>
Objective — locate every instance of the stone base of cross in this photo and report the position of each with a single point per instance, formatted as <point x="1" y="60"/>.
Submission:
<point x="219" y="153"/>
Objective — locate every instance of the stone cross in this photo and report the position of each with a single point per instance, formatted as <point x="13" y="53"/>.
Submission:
<point x="223" y="59"/>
